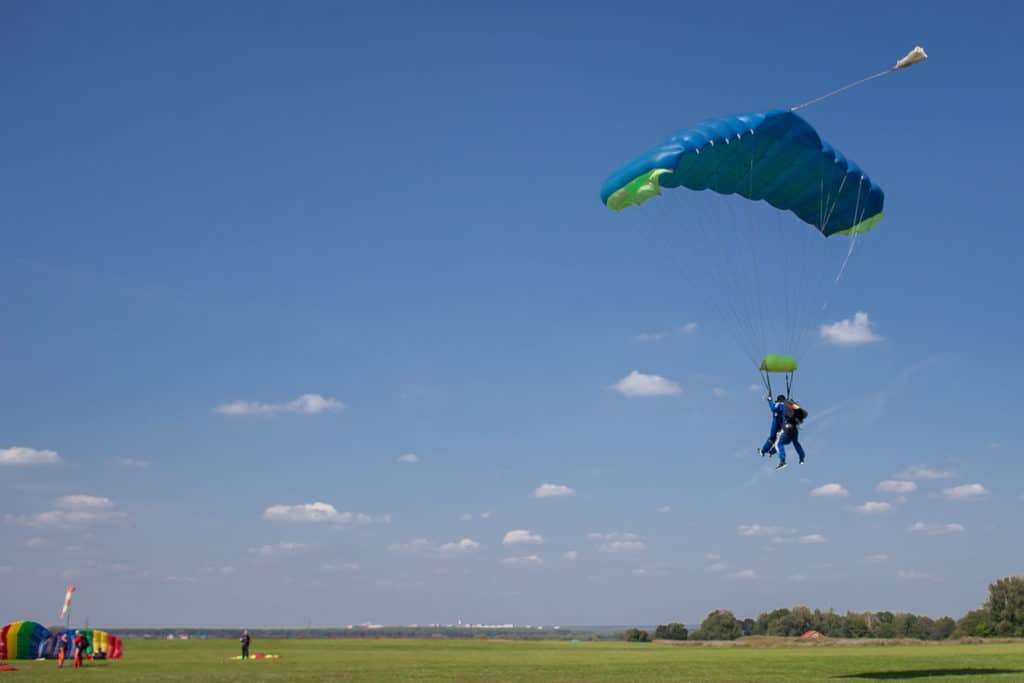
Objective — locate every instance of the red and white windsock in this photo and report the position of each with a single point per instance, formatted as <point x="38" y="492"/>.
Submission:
<point x="67" y="602"/>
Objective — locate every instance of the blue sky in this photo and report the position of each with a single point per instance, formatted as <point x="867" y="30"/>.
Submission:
<point x="254" y="254"/>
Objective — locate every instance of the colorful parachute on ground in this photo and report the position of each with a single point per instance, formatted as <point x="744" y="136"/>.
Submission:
<point x="775" y="156"/>
<point x="110" y="645"/>
<point x="22" y="640"/>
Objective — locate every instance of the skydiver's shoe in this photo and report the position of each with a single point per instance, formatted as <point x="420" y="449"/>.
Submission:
<point x="801" y="461"/>
<point x="781" y="466"/>
<point x="761" y="452"/>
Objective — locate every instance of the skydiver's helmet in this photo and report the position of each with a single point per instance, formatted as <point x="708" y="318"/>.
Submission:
<point x="780" y="398"/>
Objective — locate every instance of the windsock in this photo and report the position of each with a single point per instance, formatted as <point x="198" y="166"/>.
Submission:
<point x="67" y="602"/>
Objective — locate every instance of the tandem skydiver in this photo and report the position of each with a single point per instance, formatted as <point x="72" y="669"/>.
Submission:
<point x="786" y="418"/>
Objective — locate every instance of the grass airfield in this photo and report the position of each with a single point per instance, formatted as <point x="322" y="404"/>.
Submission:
<point x="467" y="661"/>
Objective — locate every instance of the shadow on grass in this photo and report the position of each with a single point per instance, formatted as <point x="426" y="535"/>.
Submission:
<point x="929" y="673"/>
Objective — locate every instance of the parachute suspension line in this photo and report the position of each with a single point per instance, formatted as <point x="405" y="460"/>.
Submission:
<point x="746" y="277"/>
<point x="913" y="57"/>
<point x="667" y="217"/>
<point x="859" y="213"/>
<point x="721" y="266"/>
<point x="726" y="267"/>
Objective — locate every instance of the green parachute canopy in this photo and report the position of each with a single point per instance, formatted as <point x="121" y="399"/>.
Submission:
<point x="777" y="362"/>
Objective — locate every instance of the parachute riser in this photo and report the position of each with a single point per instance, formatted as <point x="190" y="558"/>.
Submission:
<point x="767" y="381"/>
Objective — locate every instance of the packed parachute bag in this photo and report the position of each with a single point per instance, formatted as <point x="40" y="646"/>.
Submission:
<point x="794" y="413"/>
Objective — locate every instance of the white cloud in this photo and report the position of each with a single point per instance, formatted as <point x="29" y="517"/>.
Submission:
<point x="937" y="529"/>
<point x="37" y="542"/>
<point x="552" y="491"/>
<point x="664" y="508"/>
<point x="812" y="538"/>
<point x="965" y="492"/>
<point x="27" y="456"/>
<point x="799" y="578"/>
<point x="716" y="567"/>
<point x="81" y="502"/>
<point x="922" y="472"/>
<point x="744" y="574"/>
<point x="850" y="332"/>
<point x="269" y="550"/>
<point x="331" y="568"/>
<point x="830" y="490"/>
<point x="520" y="536"/>
<point x="224" y="570"/>
<point x="713" y="556"/>
<point x="758" y="530"/>
<point x="410" y="458"/>
<point x="307" y="404"/>
<point x="719" y="392"/>
<point x="806" y="539"/>
<point x="617" y="542"/>
<point x="419" y="545"/>
<point x="524" y="561"/>
<point x="894" y="486"/>
<point x="321" y="513"/>
<point x="178" y="579"/>
<point x="620" y="546"/>
<point x="72" y="511"/>
<point x="873" y="506"/>
<point x="688" y="328"/>
<point x="755" y="388"/>
<point x="466" y="516"/>
<point x="422" y="546"/>
<point x="570" y="555"/>
<point x="913" y="575"/>
<point x="638" y="384"/>
<point x="876" y="558"/>
<point x="652" y="336"/>
<point x="465" y="545"/>
<point x="485" y="515"/>
<point x="132" y="462"/>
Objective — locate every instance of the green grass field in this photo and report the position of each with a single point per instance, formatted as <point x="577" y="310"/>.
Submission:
<point x="498" y="661"/>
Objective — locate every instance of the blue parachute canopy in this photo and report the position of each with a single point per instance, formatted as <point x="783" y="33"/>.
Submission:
<point x="775" y="156"/>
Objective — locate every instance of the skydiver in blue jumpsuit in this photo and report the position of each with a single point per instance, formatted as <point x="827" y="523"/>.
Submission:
<point x="784" y="431"/>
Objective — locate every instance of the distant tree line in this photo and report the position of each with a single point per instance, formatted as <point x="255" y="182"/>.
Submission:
<point x="636" y="635"/>
<point x="453" y="632"/>
<point x="1002" y="615"/>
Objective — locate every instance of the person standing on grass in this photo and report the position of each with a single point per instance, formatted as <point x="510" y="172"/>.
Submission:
<point x="80" y="643"/>
<point x="62" y="646"/>
<point x="245" y="640"/>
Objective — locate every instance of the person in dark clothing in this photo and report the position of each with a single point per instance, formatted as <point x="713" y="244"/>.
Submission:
<point x="245" y="640"/>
